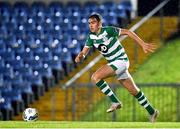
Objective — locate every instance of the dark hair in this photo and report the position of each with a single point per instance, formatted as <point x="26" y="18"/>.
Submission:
<point x="97" y="16"/>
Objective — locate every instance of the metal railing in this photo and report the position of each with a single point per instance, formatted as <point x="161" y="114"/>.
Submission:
<point x="92" y="104"/>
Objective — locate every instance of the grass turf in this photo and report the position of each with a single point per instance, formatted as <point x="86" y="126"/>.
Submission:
<point x="64" y="124"/>
<point x="163" y="66"/>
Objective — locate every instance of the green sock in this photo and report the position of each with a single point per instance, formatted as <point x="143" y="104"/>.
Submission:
<point x="144" y="102"/>
<point x="104" y="87"/>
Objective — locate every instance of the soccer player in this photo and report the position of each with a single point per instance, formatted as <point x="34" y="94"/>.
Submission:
<point x="105" y="39"/>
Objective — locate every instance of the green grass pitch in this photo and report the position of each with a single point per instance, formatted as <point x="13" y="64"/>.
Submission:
<point x="64" y="124"/>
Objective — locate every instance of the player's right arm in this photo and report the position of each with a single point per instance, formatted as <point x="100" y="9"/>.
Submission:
<point x="82" y="54"/>
<point x="85" y="50"/>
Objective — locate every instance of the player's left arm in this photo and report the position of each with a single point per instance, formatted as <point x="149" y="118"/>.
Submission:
<point x="147" y="47"/>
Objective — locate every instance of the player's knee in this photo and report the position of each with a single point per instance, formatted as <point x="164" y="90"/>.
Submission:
<point x="95" y="78"/>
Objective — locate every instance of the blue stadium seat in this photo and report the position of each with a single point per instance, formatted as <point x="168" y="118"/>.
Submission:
<point x="57" y="18"/>
<point x="7" y="56"/>
<point x="12" y="18"/>
<point x="3" y="33"/>
<point x="21" y="11"/>
<point x="21" y="19"/>
<point x="1" y="79"/>
<point x="10" y="40"/>
<point x="5" y="8"/>
<point x="110" y="6"/>
<point x="127" y="8"/>
<point x="7" y="109"/>
<point x="66" y="12"/>
<point x="10" y="26"/>
<point x="7" y="71"/>
<point x="34" y="63"/>
<point x="67" y="61"/>
<point x="121" y="16"/>
<point x="82" y="41"/>
<point x="75" y="19"/>
<point x="74" y="47"/>
<point x="55" y="33"/>
<point x="26" y="91"/>
<point x="90" y="6"/>
<point x="47" y="25"/>
<point x="17" y="46"/>
<point x="34" y="45"/>
<point x="65" y="24"/>
<point x="4" y="18"/>
<point x="15" y="79"/>
<point x="2" y="46"/>
<point x="24" y="71"/>
<point x="21" y="8"/>
<point x="37" y="84"/>
<point x="16" y="100"/>
<point x="2" y="25"/>
<point x="24" y="87"/>
<point x="72" y="7"/>
<point x="64" y="40"/>
<point x="55" y="7"/>
<point x="121" y="13"/>
<point x="126" y="5"/>
<point x="6" y="87"/>
<point x="30" y="24"/>
<point x="38" y="8"/>
<point x="7" y="106"/>
<point x="19" y="33"/>
<point x="102" y="10"/>
<point x="25" y="56"/>
<point x="47" y="42"/>
<point x="83" y="25"/>
<point x="44" y="71"/>
<point x="56" y="66"/>
<point x="38" y="34"/>
<point x="44" y="56"/>
<point x="84" y="13"/>
<point x="16" y="64"/>
<point x="56" y="46"/>
<point x="113" y="21"/>
<point x="2" y="63"/>
<point x="39" y="18"/>
<point x="74" y="32"/>
<point x="47" y="76"/>
<point x="34" y="79"/>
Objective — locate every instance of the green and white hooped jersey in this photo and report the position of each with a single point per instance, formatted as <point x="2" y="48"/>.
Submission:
<point x="107" y="43"/>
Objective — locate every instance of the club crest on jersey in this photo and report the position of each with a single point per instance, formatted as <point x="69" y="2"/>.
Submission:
<point x="94" y="41"/>
<point x="103" y="48"/>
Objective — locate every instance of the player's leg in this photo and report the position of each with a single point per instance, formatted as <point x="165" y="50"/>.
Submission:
<point x="129" y="84"/>
<point x="97" y="78"/>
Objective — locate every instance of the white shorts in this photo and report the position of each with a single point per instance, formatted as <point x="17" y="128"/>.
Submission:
<point x="121" y="68"/>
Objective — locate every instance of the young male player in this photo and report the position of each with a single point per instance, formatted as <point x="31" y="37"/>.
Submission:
<point x="105" y="39"/>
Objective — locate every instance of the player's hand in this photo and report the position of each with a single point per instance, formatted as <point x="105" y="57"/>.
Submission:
<point x="148" y="47"/>
<point x="79" y="57"/>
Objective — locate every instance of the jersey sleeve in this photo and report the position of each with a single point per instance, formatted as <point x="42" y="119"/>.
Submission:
<point x="113" y="31"/>
<point x="89" y="42"/>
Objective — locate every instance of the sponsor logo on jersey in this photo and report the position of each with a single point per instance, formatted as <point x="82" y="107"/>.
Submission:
<point x="103" y="48"/>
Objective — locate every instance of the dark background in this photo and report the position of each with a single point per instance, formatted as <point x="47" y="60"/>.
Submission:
<point x="144" y="6"/>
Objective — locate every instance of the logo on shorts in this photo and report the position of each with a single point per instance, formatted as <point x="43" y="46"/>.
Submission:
<point x="103" y="48"/>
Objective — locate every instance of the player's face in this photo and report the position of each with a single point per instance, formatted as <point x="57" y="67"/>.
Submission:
<point x="94" y="25"/>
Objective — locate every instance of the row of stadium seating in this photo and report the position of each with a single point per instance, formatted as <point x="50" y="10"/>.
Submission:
<point x="38" y="43"/>
<point x="38" y="12"/>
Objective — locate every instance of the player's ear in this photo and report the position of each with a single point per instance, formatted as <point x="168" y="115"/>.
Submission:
<point x="100" y="24"/>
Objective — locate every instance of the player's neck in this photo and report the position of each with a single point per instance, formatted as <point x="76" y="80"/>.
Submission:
<point x="99" y="30"/>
